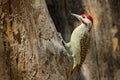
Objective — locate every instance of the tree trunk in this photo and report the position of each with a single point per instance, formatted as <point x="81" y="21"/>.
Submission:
<point x="30" y="46"/>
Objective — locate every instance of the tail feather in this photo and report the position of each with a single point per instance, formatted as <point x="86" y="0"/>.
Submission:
<point x="75" y="69"/>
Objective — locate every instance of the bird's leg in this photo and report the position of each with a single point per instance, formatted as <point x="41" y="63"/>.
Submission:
<point x="66" y="45"/>
<point x="61" y="38"/>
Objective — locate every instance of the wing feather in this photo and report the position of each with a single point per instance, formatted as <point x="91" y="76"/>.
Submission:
<point x="84" y="44"/>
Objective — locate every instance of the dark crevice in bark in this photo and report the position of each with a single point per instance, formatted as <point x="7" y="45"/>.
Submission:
<point x="6" y="10"/>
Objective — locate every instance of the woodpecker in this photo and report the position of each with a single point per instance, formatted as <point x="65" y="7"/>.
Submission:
<point x="80" y="40"/>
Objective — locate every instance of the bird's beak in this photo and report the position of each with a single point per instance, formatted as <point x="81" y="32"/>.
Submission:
<point x="76" y="15"/>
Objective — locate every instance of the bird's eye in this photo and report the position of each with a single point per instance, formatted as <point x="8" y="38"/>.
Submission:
<point x="83" y="16"/>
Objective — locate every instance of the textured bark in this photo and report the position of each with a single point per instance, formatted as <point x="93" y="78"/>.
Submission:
<point x="30" y="47"/>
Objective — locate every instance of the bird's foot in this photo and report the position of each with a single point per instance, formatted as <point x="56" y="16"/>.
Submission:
<point x="61" y="38"/>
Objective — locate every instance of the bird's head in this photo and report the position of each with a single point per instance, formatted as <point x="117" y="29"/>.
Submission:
<point x="85" y="19"/>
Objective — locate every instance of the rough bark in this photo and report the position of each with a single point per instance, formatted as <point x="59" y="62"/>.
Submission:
<point x="30" y="47"/>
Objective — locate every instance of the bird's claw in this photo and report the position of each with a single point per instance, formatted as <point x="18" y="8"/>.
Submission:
<point x="61" y="38"/>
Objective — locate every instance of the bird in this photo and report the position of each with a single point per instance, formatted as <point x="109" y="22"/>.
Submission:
<point x="80" y="40"/>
